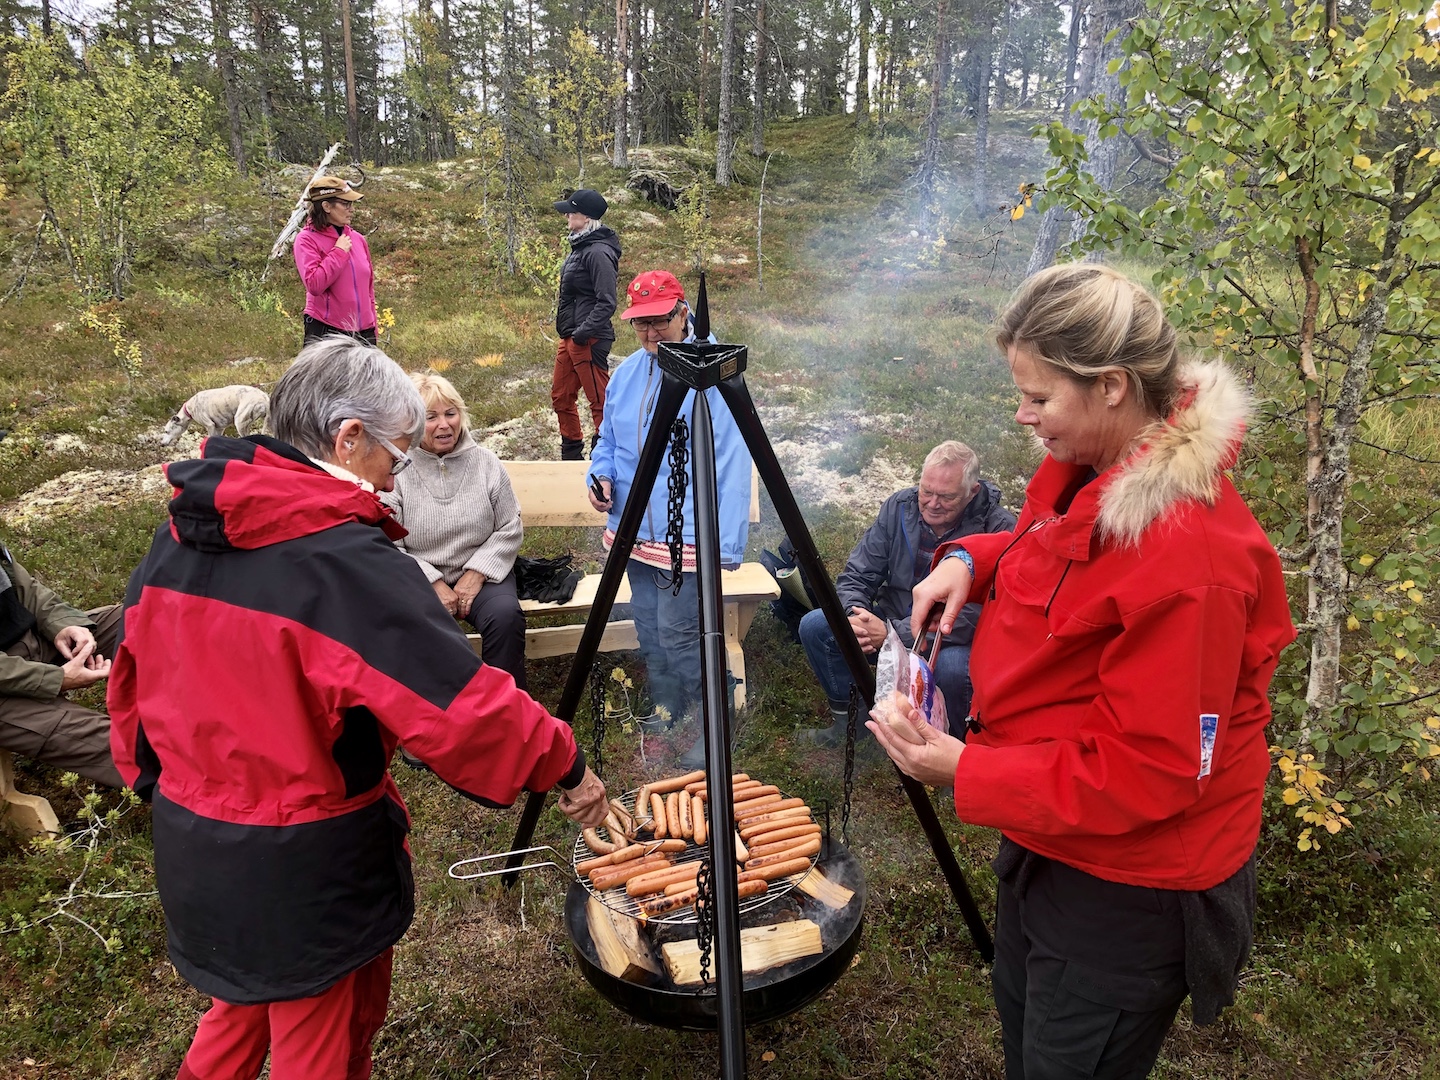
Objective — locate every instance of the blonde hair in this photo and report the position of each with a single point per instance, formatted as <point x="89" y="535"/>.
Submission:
<point x="955" y="455"/>
<point x="1086" y="319"/>
<point x="434" y="388"/>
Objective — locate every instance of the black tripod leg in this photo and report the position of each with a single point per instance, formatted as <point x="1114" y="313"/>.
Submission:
<point x="667" y="407"/>
<point x="742" y="408"/>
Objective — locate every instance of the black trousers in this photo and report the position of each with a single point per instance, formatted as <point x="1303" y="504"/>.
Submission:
<point x="315" y="330"/>
<point x="495" y="614"/>
<point x="1088" y="974"/>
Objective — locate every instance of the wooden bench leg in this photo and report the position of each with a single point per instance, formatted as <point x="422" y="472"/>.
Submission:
<point x="31" y="814"/>
<point x="738" y="616"/>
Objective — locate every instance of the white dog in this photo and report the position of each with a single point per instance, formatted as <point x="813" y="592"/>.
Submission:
<point x="214" y="410"/>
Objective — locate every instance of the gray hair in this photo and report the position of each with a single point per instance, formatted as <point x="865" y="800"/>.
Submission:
<point x="336" y="379"/>
<point x="952" y="454"/>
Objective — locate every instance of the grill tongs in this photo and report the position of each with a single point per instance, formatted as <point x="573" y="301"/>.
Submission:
<point x="455" y="872"/>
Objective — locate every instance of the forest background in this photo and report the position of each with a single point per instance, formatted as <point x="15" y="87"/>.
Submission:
<point x="865" y="182"/>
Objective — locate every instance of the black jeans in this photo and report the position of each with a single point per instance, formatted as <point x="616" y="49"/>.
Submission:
<point x="496" y="616"/>
<point x="315" y="330"/>
<point x="1088" y="974"/>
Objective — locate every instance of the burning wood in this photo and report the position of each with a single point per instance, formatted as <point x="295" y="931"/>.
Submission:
<point x="761" y="948"/>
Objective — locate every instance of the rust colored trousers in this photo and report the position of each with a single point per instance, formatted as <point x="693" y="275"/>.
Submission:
<point x="325" y="1037"/>
<point x="579" y="367"/>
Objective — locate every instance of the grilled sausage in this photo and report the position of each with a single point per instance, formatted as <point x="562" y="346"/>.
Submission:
<point x="687" y="824"/>
<point x="741" y="852"/>
<point x="736" y="790"/>
<point x="699" y="785"/>
<point x="620" y="855"/>
<point x="672" y="814"/>
<point x="674" y="846"/>
<point x="595" y="844"/>
<point x="607" y="877"/>
<point x="780" y="839"/>
<point x="751" y="794"/>
<point x="657" y="811"/>
<point x="762" y="823"/>
<point x="663" y="905"/>
<point x="656" y="881"/>
<point x="776" y="870"/>
<point x="761" y="806"/>
<point x="697" y="819"/>
<point x="804" y="848"/>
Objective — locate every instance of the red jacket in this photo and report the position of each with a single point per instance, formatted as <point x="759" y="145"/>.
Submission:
<point x="339" y="285"/>
<point x="1123" y="657"/>
<point x="276" y="646"/>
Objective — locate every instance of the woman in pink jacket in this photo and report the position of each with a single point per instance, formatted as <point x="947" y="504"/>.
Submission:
<point x="334" y="263"/>
<point x="1131" y="623"/>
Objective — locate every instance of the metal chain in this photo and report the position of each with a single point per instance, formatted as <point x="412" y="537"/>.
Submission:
<point x="597" y="718"/>
<point x="704" y="919"/>
<point x="675" y="526"/>
<point x="852" y="722"/>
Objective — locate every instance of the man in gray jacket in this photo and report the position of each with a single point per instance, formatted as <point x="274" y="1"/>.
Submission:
<point x="949" y="502"/>
<point x="46" y="648"/>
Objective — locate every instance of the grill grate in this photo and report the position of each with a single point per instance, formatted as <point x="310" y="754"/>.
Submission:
<point x="617" y="899"/>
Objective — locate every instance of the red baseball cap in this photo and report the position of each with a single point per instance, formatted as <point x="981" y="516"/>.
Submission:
<point x="655" y="292"/>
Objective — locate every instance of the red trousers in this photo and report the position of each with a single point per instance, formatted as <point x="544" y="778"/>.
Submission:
<point x="325" y="1037"/>
<point x="576" y="370"/>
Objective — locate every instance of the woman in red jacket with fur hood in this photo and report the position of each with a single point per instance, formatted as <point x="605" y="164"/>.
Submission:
<point x="1131" y="624"/>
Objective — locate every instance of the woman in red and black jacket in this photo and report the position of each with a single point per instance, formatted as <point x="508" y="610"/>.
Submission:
<point x="1131" y="623"/>
<point x="276" y="648"/>
<point x="334" y="263"/>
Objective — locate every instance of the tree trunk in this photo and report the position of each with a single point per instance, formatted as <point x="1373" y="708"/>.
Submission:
<point x="724" y="128"/>
<point x="45" y="28"/>
<point x="225" y="62"/>
<point x="702" y="16"/>
<point x="621" y="157"/>
<point x="928" y="175"/>
<point x="862" y="65"/>
<point x="327" y="71"/>
<point x="1105" y="152"/>
<point x="263" y="68"/>
<point x="757" y="115"/>
<point x="352" y="109"/>
<point x="980" y="161"/>
<point x="1072" y="51"/>
<point x="637" y="70"/>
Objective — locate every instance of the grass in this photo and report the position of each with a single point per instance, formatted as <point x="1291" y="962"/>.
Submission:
<point x="862" y="336"/>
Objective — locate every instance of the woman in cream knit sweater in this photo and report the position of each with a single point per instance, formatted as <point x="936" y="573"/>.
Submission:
<point x="464" y="525"/>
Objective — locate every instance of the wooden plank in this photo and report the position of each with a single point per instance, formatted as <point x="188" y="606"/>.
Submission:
<point x="623" y="950"/>
<point x="761" y="948"/>
<point x="749" y="582"/>
<point x="31" y="815"/>
<point x="552" y="493"/>
<point x="830" y="893"/>
<point x="543" y="641"/>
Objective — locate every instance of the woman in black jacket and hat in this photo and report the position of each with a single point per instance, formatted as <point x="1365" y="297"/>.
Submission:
<point x="582" y="319"/>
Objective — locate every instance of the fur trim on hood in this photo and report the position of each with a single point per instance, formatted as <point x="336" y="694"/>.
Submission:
<point x="1180" y="458"/>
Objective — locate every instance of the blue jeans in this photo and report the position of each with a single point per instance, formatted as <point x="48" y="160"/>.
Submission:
<point x="952" y="669"/>
<point x="668" y="627"/>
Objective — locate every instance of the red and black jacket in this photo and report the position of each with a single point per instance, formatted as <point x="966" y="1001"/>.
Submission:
<point x="276" y="647"/>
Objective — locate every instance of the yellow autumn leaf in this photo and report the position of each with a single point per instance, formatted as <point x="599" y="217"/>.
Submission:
<point x="1416" y="595"/>
<point x="1291" y="797"/>
<point x="1017" y="212"/>
<point x="1332" y="826"/>
<point x="768" y="1055"/>
<point x="1352" y="623"/>
<point x="1433" y="723"/>
<point x="1367" y="560"/>
<point x="1361" y="161"/>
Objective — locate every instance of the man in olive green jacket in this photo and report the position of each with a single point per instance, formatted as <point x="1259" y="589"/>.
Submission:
<point x="46" y="648"/>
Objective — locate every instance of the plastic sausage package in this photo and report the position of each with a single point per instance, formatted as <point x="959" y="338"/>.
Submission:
<point x="902" y="674"/>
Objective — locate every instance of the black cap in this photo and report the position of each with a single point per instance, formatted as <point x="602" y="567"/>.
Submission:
<point x="585" y="201"/>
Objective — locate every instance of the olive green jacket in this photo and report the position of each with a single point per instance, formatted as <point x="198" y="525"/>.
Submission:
<point x="28" y="678"/>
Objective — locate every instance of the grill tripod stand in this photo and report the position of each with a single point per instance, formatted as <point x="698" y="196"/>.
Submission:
<point x="699" y="365"/>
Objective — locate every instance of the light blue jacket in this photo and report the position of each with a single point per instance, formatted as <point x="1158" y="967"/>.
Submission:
<point x="629" y="404"/>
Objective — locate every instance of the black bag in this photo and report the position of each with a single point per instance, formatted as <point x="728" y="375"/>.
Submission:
<point x="546" y="580"/>
<point x="787" y="608"/>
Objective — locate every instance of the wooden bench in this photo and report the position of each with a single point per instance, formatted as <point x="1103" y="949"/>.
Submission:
<point x="552" y="494"/>
<point x="30" y="814"/>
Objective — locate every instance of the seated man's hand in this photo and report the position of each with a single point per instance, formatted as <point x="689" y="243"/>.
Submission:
<point x="603" y="505"/>
<point x="85" y="668"/>
<point x="69" y="640"/>
<point x="869" y="629"/>
<point x="466" y="589"/>
<point x="447" y="596"/>
<point x="585" y="802"/>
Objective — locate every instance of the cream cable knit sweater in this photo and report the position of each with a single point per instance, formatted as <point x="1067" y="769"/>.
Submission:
<point x="460" y="511"/>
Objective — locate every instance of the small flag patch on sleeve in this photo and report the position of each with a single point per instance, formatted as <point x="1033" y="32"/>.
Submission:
<point x="1209" y="723"/>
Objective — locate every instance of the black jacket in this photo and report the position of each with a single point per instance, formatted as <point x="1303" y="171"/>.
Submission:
<point x="880" y="572"/>
<point x="587" y="287"/>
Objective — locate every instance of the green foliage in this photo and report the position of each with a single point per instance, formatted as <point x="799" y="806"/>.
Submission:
<point x="1298" y="233"/>
<point x="581" y="93"/>
<point x="103" y="150"/>
<point x="693" y="215"/>
<point x="253" y="295"/>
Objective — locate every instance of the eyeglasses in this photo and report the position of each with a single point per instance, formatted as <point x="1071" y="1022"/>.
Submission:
<point x="645" y="326"/>
<point x="402" y="460"/>
<point x="943" y="500"/>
